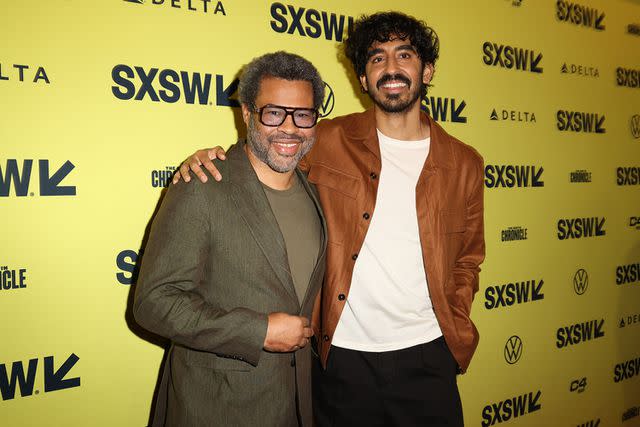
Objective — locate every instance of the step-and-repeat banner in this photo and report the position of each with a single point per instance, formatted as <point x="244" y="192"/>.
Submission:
<point x="101" y="100"/>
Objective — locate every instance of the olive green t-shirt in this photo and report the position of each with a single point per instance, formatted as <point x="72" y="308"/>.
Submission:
<point x="300" y="225"/>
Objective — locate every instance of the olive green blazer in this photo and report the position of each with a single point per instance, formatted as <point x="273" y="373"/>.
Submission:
<point x="214" y="267"/>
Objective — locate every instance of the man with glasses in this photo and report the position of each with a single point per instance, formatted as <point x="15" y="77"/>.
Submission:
<point x="231" y="271"/>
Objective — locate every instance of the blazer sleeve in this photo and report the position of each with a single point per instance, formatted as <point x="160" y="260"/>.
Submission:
<point x="167" y="301"/>
<point x="467" y="265"/>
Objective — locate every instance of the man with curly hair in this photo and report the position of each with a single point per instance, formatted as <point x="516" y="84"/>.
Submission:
<point x="404" y="207"/>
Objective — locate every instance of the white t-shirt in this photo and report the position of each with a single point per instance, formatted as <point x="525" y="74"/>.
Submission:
<point x="388" y="307"/>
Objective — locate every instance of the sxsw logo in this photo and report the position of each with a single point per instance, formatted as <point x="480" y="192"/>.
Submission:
<point x="24" y="380"/>
<point x="161" y="178"/>
<point x="580" y="281"/>
<point x="591" y="423"/>
<point x="626" y="370"/>
<point x="513" y="116"/>
<point x="311" y="23"/>
<point x="634" y="125"/>
<point x="634" y="222"/>
<point x="513" y="293"/>
<point x="627" y="77"/>
<point x="580" y="15"/>
<point x="21" y="178"/>
<point x="513" y="176"/>
<point x="126" y="261"/>
<point x="578" y="386"/>
<point x="511" y="57"/>
<point x="444" y="109"/>
<point x="629" y="320"/>
<point x="517" y="406"/>
<point x="580" y="70"/>
<point x="138" y="83"/>
<point x="513" y="349"/>
<point x="579" y="333"/>
<point x="11" y="279"/>
<point x="628" y="175"/>
<point x="577" y="228"/>
<point x="204" y="6"/>
<point x="626" y="274"/>
<point x="576" y="121"/>
<point x="23" y="71"/>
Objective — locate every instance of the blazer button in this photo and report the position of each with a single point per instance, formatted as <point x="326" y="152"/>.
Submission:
<point x="354" y="257"/>
<point x="326" y="337"/>
<point x="373" y="175"/>
<point x="293" y="361"/>
<point x="366" y="215"/>
<point x="341" y="297"/>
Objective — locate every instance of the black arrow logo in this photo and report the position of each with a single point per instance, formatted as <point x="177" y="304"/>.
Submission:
<point x="223" y="96"/>
<point x="54" y="381"/>
<point x="599" y="25"/>
<point x="535" y="62"/>
<point x="456" y="113"/>
<point x="50" y="185"/>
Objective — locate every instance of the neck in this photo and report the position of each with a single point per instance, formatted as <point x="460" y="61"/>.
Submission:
<point x="267" y="176"/>
<point x="409" y="125"/>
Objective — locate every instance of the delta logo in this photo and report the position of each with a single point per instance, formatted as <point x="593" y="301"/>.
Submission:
<point x="198" y="6"/>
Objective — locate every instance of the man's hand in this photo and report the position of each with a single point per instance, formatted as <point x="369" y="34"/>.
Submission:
<point x="199" y="159"/>
<point x="286" y="333"/>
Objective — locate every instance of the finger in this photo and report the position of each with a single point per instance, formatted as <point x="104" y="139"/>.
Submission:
<point x="307" y="332"/>
<point x="196" y="167"/>
<point x="184" y="172"/>
<point x="208" y="164"/>
<point x="217" y="152"/>
<point x="305" y="321"/>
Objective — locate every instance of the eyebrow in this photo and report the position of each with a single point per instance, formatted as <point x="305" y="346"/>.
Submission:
<point x="378" y="50"/>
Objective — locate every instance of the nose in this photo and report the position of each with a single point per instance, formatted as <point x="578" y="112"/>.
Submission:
<point x="288" y="126"/>
<point x="391" y="65"/>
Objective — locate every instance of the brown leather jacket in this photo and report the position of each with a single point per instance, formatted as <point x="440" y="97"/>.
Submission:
<point x="345" y="166"/>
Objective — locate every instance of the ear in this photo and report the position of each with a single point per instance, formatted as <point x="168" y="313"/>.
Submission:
<point x="363" y="83"/>
<point x="427" y="73"/>
<point x="246" y="113"/>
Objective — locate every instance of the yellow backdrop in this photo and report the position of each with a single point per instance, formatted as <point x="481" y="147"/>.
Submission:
<point x="100" y="100"/>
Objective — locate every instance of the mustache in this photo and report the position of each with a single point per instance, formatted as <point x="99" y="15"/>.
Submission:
<point x="284" y="136"/>
<point x="390" y="77"/>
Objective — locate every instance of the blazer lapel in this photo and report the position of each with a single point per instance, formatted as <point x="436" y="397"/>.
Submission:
<point x="311" y="191"/>
<point x="253" y="206"/>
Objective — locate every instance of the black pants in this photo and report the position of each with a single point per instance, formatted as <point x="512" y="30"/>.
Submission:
<point x="415" y="386"/>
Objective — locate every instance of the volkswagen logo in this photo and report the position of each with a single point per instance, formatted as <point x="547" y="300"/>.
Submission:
<point x="329" y="100"/>
<point x="635" y="126"/>
<point x="513" y="349"/>
<point x="580" y="281"/>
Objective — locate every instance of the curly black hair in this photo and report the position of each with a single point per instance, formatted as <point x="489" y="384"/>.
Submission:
<point x="384" y="26"/>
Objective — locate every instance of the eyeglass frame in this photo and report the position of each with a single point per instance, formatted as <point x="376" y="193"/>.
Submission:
<point x="289" y="111"/>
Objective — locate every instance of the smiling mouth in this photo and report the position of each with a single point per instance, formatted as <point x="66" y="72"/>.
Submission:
<point x="394" y="85"/>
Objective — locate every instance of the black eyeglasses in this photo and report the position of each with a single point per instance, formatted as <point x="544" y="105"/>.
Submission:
<point x="275" y="115"/>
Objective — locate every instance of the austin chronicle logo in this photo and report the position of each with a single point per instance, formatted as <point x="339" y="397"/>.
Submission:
<point x="329" y="100"/>
<point x="513" y="350"/>
<point x="580" y="281"/>
<point x="635" y="126"/>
